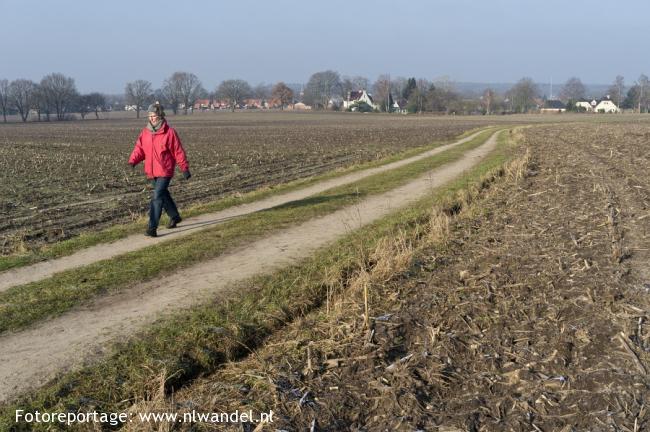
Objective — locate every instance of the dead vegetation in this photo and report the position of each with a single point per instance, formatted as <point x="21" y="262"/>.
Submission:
<point x="522" y="307"/>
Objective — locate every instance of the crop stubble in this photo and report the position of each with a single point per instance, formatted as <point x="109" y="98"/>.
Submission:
<point x="535" y="318"/>
<point x="63" y="178"/>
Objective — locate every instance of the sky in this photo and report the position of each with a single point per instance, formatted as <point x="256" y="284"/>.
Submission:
<point x="104" y="45"/>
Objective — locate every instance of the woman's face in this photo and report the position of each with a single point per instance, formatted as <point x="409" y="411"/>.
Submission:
<point x="153" y="118"/>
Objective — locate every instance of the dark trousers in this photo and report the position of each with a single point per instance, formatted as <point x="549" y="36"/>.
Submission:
<point x="160" y="200"/>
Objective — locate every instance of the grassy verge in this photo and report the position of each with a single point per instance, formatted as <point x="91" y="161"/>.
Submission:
<point x="68" y="247"/>
<point x="197" y="341"/>
<point x="25" y="304"/>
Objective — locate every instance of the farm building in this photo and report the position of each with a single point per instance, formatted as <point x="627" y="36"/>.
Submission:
<point x="553" y="106"/>
<point x="358" y="96"/>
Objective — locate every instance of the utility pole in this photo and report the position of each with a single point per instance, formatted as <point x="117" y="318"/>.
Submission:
<point x="388" y="95"/>
<point x="618" y="102"/>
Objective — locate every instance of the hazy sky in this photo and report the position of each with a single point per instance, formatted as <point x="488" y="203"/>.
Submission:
<point x="105" y="44"/>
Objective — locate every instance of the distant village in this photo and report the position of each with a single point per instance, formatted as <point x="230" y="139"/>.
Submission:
<point x="56" y="97"/>
<point x="355" y="99"/>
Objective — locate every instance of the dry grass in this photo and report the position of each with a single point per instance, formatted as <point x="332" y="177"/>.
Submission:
<point x="350" y="318"/>
<point x="153" y="400"/>
<point x="524" y="323"/>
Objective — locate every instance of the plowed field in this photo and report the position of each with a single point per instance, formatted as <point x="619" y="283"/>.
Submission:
<point x="62" y="178"/>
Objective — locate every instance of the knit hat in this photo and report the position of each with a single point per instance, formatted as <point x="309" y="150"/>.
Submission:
<point x="157" y="109"/>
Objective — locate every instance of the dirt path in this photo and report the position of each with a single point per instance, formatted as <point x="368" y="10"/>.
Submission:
<point x="32" y="273"/>
<point x="31" y="357"/>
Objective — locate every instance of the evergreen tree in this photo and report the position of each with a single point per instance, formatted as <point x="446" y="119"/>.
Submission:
<point x="411" y="85"/>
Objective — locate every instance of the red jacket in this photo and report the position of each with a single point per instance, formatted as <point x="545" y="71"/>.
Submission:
<point x="161" y="151"/>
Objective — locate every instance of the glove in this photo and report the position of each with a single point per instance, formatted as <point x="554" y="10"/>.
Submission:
<point x="187" y="174"/>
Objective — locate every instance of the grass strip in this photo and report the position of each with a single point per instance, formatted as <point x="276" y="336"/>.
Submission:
<point x="116" y="232"/>
<point x="26" y="304"/>
<point x="196" y="341"/>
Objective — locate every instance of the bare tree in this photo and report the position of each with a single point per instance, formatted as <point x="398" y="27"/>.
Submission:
<point x="138" y="93"/>
<point x="170" y="95"/>
<point x="443" y="98"/>
<point x="262" y="91"/>
<point x="60" y="93"/>
<point x="523" y="95"/>
<point x="347" y="86"/>
<point x="182" y="88"/>
<point x="321" y="88"/>
<point x="91" y="102"/>
<point x="361" y="82"/>
<point x="21" y="96"/>
<point x="282" y="93"/>
<point x="616" y="90"/>
<point x="573" y="90"/>
<point x="398" y="86"/>
<point x="381" y="92"/>
<point x="234" y="91"/>
<point x="97" y="101"/>
<point x="487" y="100"/>
<point x="4" y="98"/>
<point x="83" y="106"/>
<point x="643" y="98"/>
<point x="420" y="95"/>
<point x="355" y="83"/>
<point x="40" y="103"/>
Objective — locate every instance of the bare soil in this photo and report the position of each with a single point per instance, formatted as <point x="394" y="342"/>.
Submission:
<point x="63" y="178"/>
<point x="189" y="226"/>
<point x="31" y="357"/>
<point x="534" y="318"/>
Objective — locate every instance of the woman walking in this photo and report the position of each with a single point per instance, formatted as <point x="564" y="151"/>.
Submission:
<point x="159" y="146"/>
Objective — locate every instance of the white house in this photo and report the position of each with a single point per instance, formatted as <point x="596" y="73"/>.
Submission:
<point x="358" y="96"/>
<point x="396" y="108"/>
<point x="553" y="106"/>
<point x="604" y="105"/>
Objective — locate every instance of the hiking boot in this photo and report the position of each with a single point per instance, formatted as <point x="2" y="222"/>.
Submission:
<point x="151" y="232"/>
<point x="174" y="221"/>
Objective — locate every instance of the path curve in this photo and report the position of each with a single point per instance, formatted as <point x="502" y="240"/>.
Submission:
<point x="31" y="357"/>
<point x="45" y="269"/>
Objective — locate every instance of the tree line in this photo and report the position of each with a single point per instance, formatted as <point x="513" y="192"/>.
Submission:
<point x="56" y="95"/>
<point x="182" y="89"/>
<point x="328" y="90"/>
